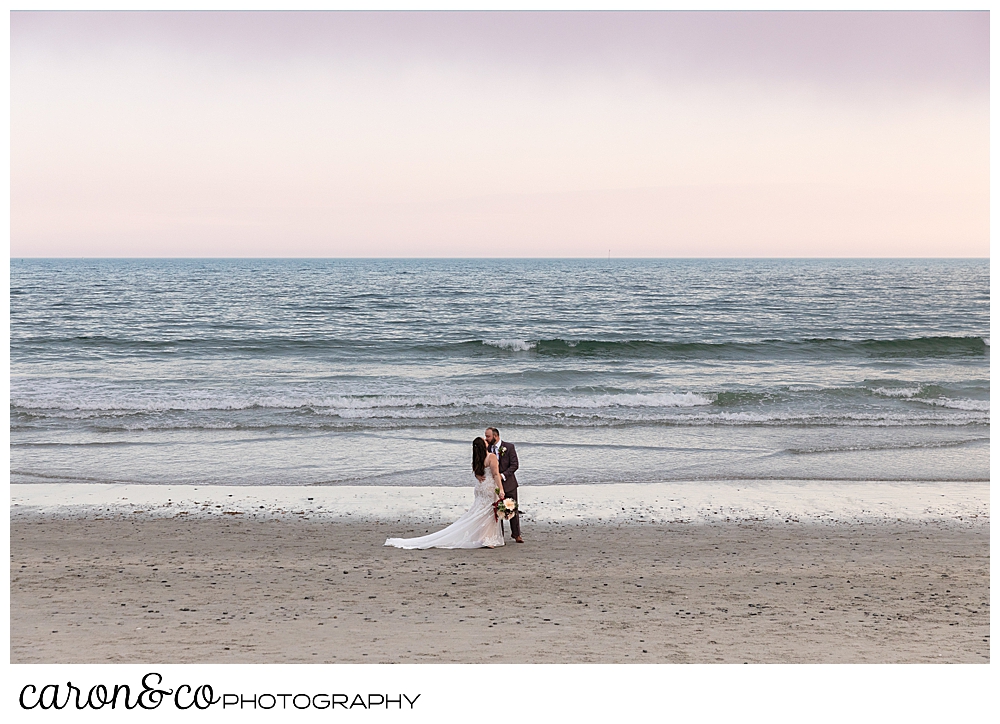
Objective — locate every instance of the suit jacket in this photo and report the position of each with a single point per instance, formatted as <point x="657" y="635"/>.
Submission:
<point x="507" y="458"/>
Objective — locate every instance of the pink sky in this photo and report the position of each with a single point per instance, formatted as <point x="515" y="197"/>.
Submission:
<point x="489" y="134"/>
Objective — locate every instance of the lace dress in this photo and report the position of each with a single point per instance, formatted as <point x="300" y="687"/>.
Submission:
<point x="475" y="529"/>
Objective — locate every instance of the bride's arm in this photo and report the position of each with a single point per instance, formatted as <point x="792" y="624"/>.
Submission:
<point x="495" y="467"/>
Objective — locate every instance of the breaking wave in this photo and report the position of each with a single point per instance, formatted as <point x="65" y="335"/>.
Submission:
<point x="918" y="348"/>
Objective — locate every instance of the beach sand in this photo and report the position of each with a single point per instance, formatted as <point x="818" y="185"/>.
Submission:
<point x="227" y="589"/>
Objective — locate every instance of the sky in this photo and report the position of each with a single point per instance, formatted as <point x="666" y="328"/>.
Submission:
<point x="476" y="134"/>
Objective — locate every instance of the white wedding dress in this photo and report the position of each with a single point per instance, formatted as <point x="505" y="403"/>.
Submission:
<point x="476" y="528"/>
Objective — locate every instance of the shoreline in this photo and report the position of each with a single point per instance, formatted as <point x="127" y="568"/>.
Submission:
<point x="964" y="504"/>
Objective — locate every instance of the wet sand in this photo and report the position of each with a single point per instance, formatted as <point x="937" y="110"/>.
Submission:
<point x="231" y="590"/>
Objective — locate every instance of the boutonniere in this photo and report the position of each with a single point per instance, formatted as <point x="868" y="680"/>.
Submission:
<point x="503" y="450"/>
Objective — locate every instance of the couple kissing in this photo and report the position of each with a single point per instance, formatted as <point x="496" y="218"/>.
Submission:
<point x="494" y="464"/>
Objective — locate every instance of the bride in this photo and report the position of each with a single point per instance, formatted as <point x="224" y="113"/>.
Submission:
<point x="478" y="526"/>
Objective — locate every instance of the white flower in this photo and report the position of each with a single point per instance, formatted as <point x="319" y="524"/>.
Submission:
<point x="509" y="504"/>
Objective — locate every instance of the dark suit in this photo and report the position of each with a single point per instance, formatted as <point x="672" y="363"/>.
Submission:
<point x="507" y="458"/>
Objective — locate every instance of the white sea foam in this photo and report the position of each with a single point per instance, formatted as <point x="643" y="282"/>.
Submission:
<point x="540" y="403"/>
<point x="678" y="408"/>
<point x="897" y="391"/>
<point x="515" y="345"/>
<point x="970" y="405"/>
<point x="855" y="418"/>
<point x="662" y="399"/>
<point x="910" y="393"/>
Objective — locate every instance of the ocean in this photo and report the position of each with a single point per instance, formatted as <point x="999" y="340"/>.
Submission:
<point x="355" y="372"/>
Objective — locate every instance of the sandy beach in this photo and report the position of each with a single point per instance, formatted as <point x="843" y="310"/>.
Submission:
<point x="111" y="586"/>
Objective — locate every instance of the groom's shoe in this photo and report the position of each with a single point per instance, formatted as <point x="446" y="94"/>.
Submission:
<point x="519" y="540"/>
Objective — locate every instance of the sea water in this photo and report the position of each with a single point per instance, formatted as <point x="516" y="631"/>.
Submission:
<point x="327" y="372"/>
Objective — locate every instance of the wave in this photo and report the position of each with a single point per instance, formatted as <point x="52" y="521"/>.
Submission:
<point x="977" y="405"/>
<point x="516" y="345"/>
<point x="340" y="404"/>
<point x="372" y="416"/>
<point x="403" y="420"/>
<point x="819" y="347"/>
<point x="904" y="392"/>
<point x="920" y="347"/>
<point x="931" y="395"/>
<point x="26" y="397"/>
<point x="880" y="402"/>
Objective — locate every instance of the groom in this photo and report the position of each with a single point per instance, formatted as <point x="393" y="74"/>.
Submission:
<point x="507" y="457"/>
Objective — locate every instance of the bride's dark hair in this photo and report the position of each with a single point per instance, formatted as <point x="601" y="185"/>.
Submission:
<point x="479" y="457"/>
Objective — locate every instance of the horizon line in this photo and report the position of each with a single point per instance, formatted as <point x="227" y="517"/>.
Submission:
<point x="494" y="258"/>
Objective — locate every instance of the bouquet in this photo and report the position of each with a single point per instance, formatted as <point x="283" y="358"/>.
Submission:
<point x="505" y="508"/>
